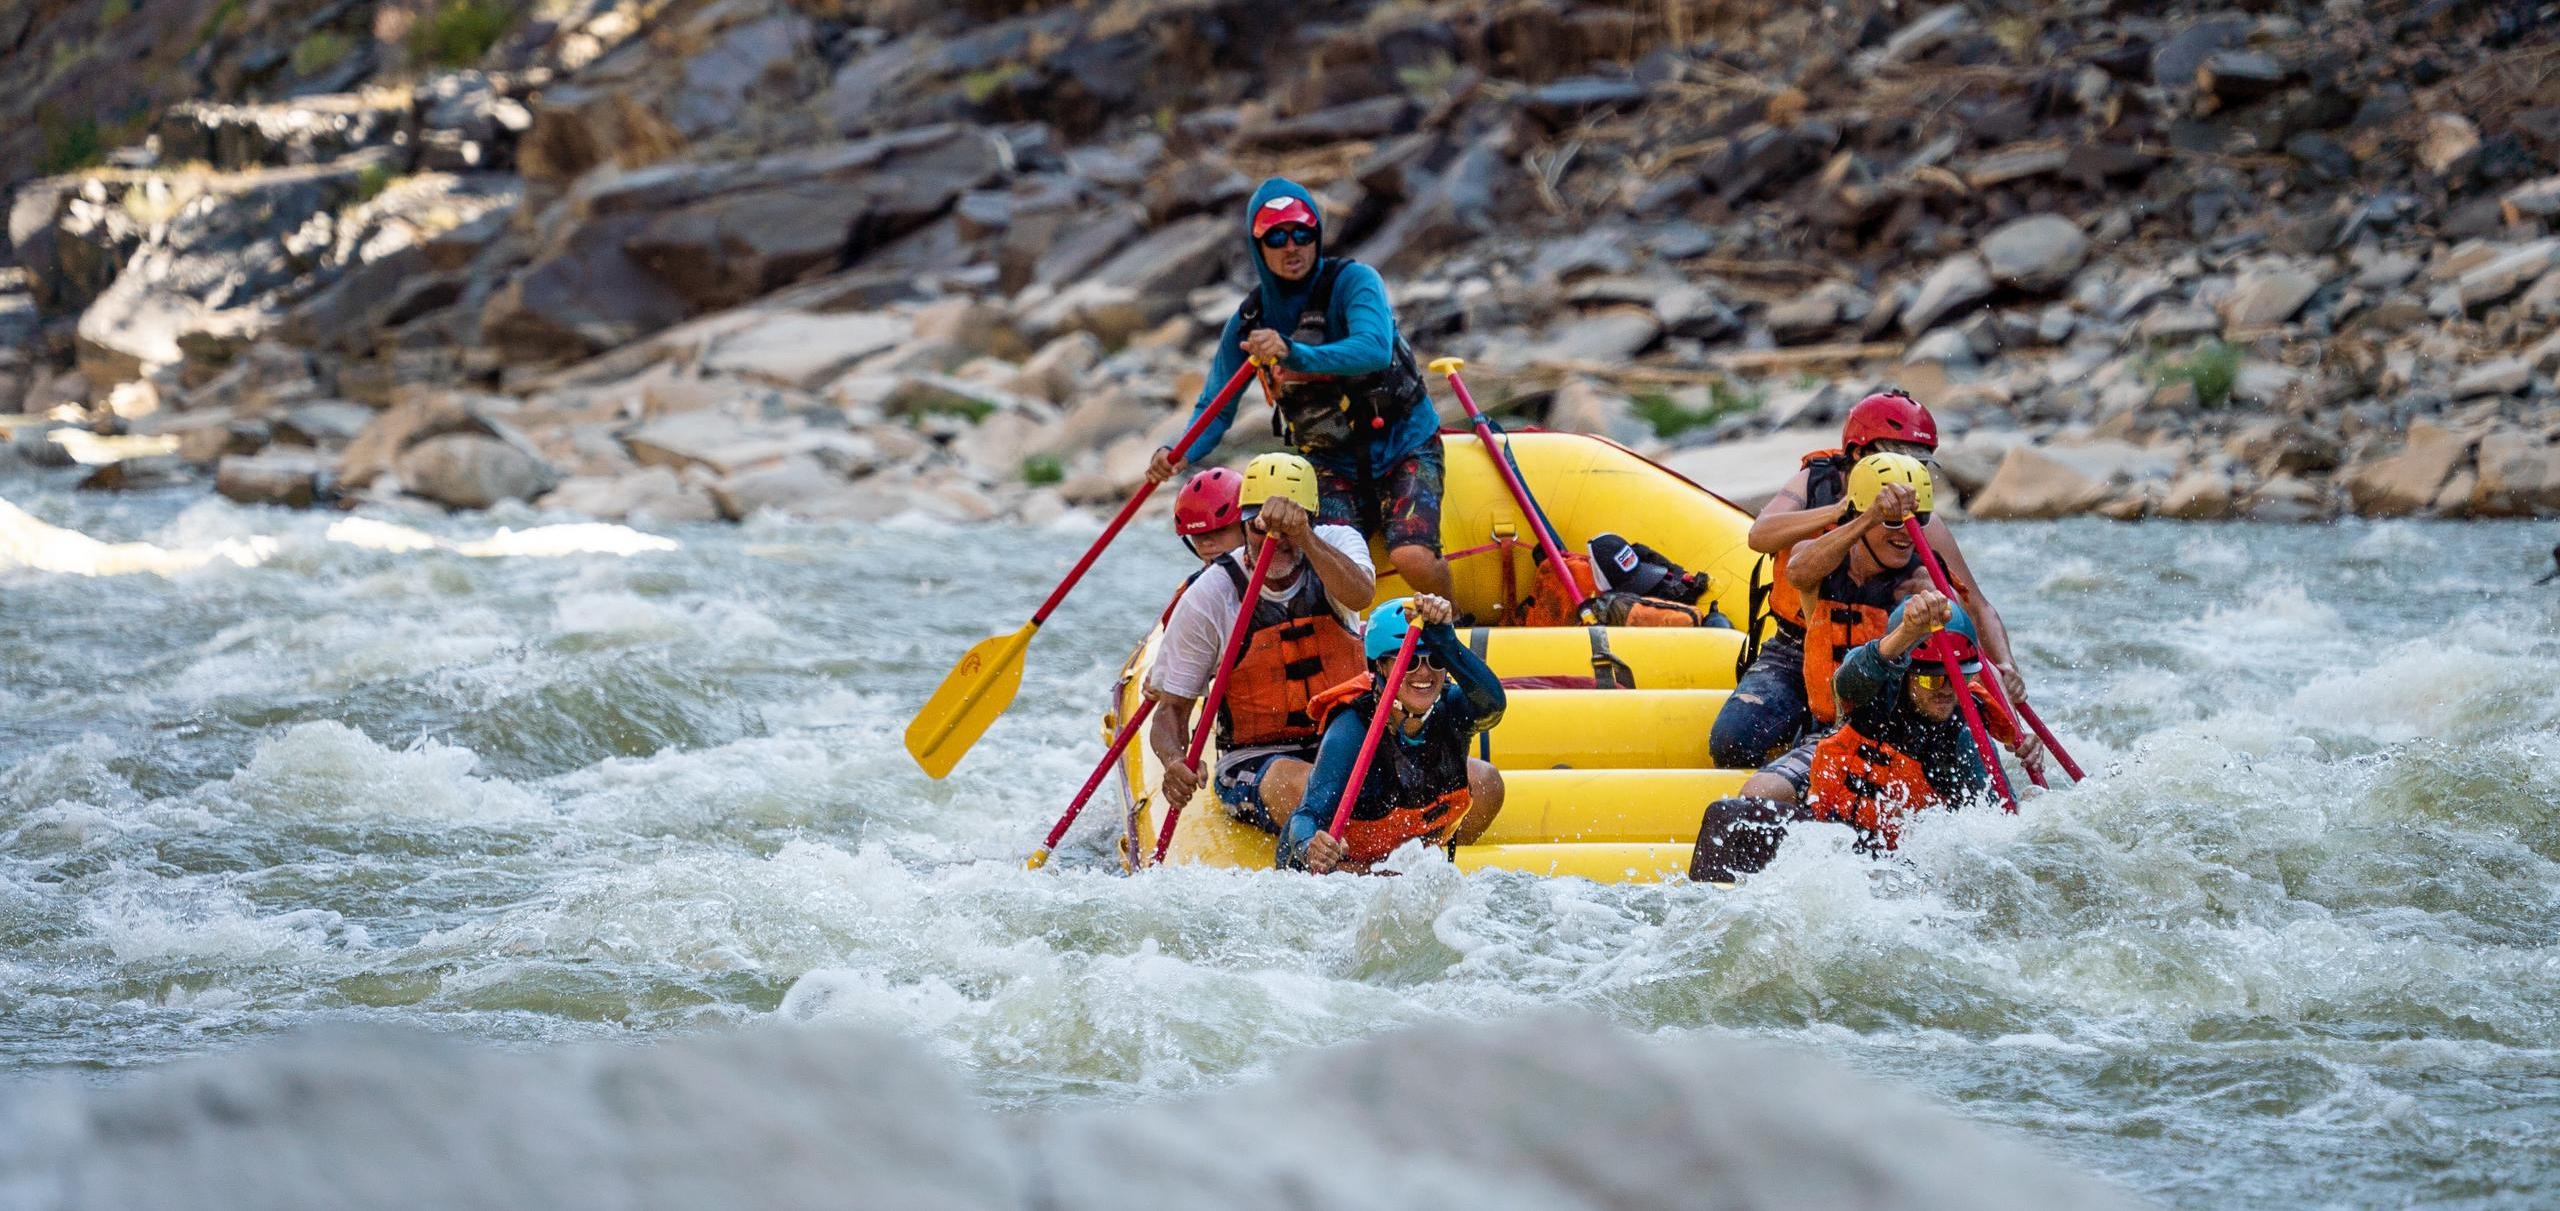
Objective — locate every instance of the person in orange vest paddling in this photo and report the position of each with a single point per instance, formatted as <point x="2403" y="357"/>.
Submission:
<point x="1769" y="706"/>
<point x="1304" y="638"/>
<point x="1421" y="784"/>
<point x="1899" y="749"/>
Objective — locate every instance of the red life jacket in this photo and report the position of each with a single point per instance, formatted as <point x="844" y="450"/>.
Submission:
<point x="1872" y="786"/>
<point x="1295" y="649"/>
<point x="1826" y="479"/>
<point x="1411" y="790"/>
<point x="1867" y="784"/>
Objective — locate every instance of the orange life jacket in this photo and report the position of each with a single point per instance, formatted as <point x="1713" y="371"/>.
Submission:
<point x="1295" y="649"/>
<point x="1551" y="604"/>
<point x="1867" y="784"/>
<point x="1416" y="790"/>
<point x="1826" y="480"/>
<point x="1843" y="615"/>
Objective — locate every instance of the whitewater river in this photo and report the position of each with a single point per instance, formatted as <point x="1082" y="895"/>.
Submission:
<point x="2297" y="943"/>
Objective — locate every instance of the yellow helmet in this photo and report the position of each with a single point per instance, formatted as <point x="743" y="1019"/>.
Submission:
<point x="1270" y="475"/>
<point x="1875" y="471"/>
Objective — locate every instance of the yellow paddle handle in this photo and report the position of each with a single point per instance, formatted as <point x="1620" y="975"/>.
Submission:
<point x="1448" y="365"/>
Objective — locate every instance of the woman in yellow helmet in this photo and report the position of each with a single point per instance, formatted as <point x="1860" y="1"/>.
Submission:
<point x="1849" y="580"/>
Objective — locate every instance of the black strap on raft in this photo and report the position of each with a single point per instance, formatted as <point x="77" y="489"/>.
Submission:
<point x="1762" y="583"/>
<point x="1607" y="671"/>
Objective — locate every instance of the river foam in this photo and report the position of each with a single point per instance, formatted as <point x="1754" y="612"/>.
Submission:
<point x="2292" y="945"/>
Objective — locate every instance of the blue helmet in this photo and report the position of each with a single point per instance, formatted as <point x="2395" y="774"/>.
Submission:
<point x="1957" y="639"/>
<point x="1387" y="625"/>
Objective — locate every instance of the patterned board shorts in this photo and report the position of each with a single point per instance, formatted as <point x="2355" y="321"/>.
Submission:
<point x="1401" y="507"/>
<point x="1240" y="789"/>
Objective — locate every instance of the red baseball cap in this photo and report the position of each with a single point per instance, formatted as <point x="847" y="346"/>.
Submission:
<point x="1282" y="211"/>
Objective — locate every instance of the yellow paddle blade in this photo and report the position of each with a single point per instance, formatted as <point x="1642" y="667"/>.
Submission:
<point x="978" y="690"/>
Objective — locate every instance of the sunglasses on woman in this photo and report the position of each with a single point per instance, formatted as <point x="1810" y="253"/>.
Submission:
<point x="1282" y="237"/>
<point x="1421" y="660"/>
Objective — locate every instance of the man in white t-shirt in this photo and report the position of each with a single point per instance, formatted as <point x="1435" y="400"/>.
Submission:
<point x="1304" y="639"/>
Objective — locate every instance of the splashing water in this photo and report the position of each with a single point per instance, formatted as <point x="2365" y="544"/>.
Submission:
<point x="2293" y="945"/>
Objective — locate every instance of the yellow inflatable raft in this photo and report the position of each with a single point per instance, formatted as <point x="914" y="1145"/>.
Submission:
<point x="1608" y="784"/>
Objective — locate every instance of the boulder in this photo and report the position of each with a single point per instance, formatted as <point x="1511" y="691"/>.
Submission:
<point x="2199" y="495"/>
<point x="1931" y="30"/>
<point x="2519" y="475"/>
<point x="2039" y="253"/>
<point x="1096" y="420"/>
<point x="2536" y="200"/>
<point x="305" y="130"/>
<point x="801" y="350"/>
<point x="218" y="268"/>
<point x="292" y="478"/>
<point x="649" y="494"/>
<point x="1472" y="197"/>
<point x="2404" y="483"/>
<point x="2503" y="376"/>
<point x="414" y="419"/>
<point x="587" y="297"/>
<point x="2287" y="498"/>
<point x="726" y="445"/>
<point x="2032" y="484"/>
<point x="1605" y="338"/>
<point x="473" y="471"/>
<point x="804" y="488"/>
<point x="751" y="65"/>
<point x="2496" y="278"/>
<point x="1056" y="373"/>
<point x="1958" y="282"/>
<point x="2267" y="296"/>
<point x="2449" y="144"/>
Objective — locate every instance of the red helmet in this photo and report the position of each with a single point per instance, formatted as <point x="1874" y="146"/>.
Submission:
<point x="1889" y="416"/>
<point x="1208" y="502"/>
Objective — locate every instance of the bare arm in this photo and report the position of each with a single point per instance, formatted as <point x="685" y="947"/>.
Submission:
<point x="1820" y="557"/>
<point x="1786" y="521"/>
<point x="1169" y="728"/>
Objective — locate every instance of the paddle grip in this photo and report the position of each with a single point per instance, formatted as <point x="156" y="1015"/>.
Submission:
<point x="1199" y="424"/>
<point x="1218" y="684"/>
<point x="1519" y="493"/>
<point x="1377" y="728"/>
<point x="1999" y="693"/>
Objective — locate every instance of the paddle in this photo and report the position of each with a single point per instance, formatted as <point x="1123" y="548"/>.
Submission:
<point x="1218" y="685"/>
<point x="1377" y="724"/>
<point x="1981" y="735"/>
<point x="1119" y="744"/>
<point x="1537" y="519"/>
<point x="983" y="684"/>
<point x="1999" y="693"/>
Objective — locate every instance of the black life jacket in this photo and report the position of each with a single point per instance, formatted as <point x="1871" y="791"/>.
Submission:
<point x="1324" y="413"/>
<point x="1415" y="788"/>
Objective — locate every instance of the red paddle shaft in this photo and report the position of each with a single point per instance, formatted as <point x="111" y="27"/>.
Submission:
<point x="1218" y="684"/>
<point x="1226" y="395"/>
<point x="1519" y="493"/>
<point x="1999" y="693"/>
<point x="1981" y="735"/>
<point x="1377" y="726"/>
<point x="1119" y="744"/>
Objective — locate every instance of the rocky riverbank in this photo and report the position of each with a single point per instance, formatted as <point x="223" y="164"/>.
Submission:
<point x="686" y="259"/>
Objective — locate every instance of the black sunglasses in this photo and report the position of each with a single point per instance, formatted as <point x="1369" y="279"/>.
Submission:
<point x="1282" y="237"/>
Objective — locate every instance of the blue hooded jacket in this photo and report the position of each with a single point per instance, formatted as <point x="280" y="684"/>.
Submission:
<point x="1361" y="322"/>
